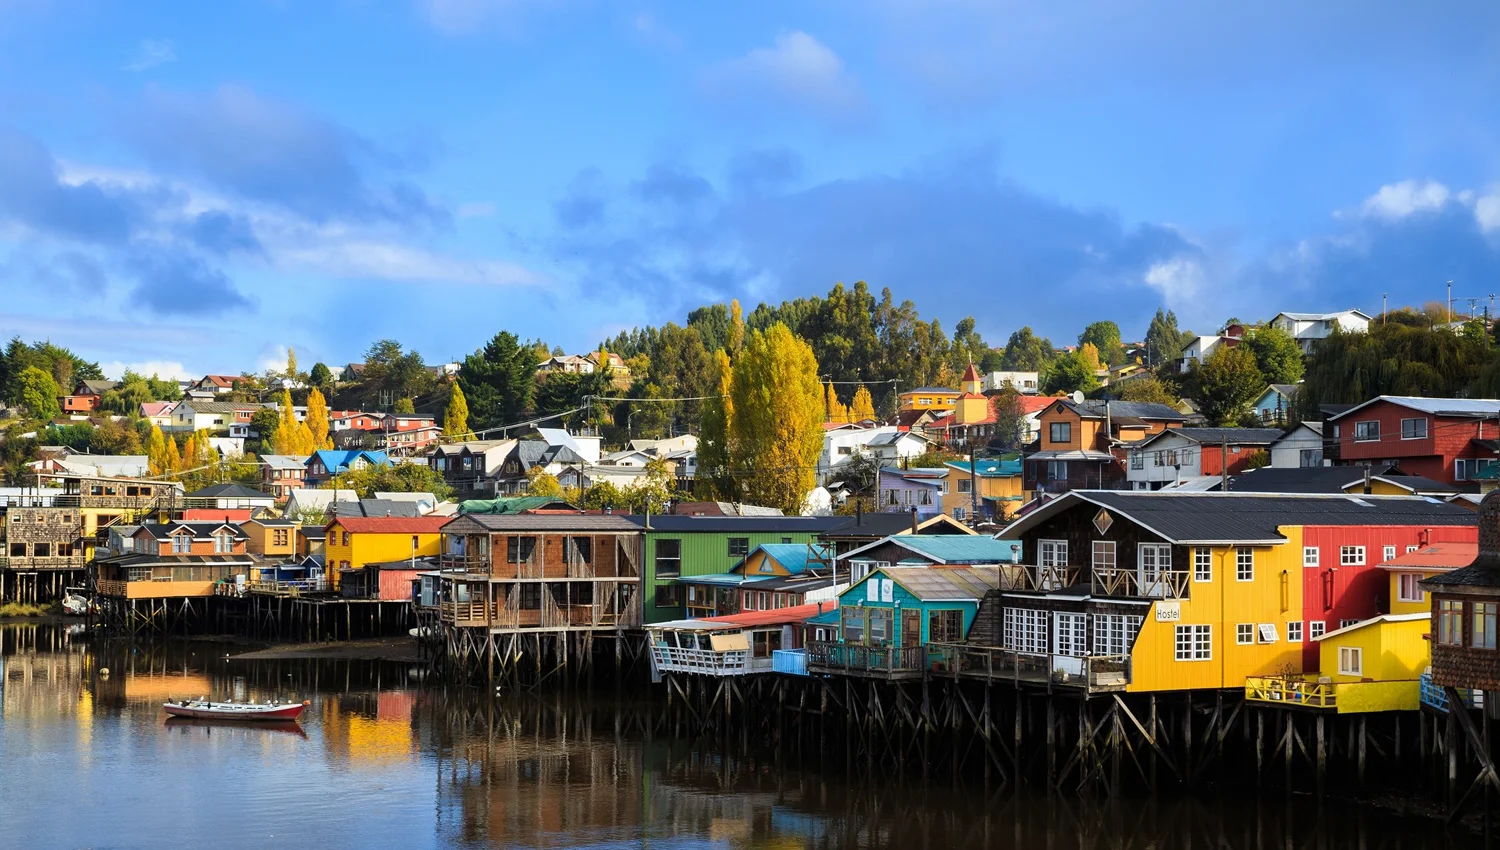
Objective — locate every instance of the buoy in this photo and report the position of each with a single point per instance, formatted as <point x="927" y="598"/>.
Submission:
<point x="104" y="671"/>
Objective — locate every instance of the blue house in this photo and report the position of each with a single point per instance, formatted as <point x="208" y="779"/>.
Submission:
<point x="324" y="464"/>
<point x="1274" y="407"/>
<point x="773" y="575"/>
<point x="928" y="550"/>
<point x="904" y="489"/>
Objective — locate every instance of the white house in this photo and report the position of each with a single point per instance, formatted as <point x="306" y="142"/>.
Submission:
<point x="892" y="448"/>
<point x="1025" y="382"/>
<point x="1183" y="454"/>
<point x="1199" y="347"/>
<point x="1308" y="328"/>
<point x="885" y="442"/>
<point x="1300" y="447"/>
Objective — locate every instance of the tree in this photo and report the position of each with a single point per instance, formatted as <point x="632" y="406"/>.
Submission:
<point x="114" y="438"/>
<point x="264" y="424"/>
<point x="540" y="482"/>
<point x="1105" y="337"/>
<point x="1071" y="372"/>
<point x="834" y="409"/>
<point x="291" y="364"/>
<point x="652" y="492"/>
<point x="498" y="381"/>
<point x="156" y="451"/>
<point x="715" y="478"/>
<point x="392" y="373"/>
<point x="1010" y="420"/>
<point x="38" y="393"/>
<point x="603" y="495"/>
<point x="1395" y="359"/>
<point x="1026" y="352"/>
<point x="776" y="431"/>
<point x="1164" y="341"/>
<point x="171" y="458"/>
<point x="862" y="406"/>
<point x="392" y="478"/>
<point x="292" y="437"/>
<point x="1146" y="389"/>
<point x="317" y="420"/>
<point x="967" y="346"/>
<point x="1277" y="355"/>
<point x="736" y="337"/>
<point x="320" y="376"/>
<point x="1226" y="382"/>
<point x="456" y="417"/>
<point x="404" y="406"/>
<point x="1090" y="356"/>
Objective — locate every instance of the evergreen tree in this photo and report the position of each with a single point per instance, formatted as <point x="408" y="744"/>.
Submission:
<point x="1164" y="341"/>
<point x="1026" y="352"/>
<point x="1071" y="372"/>
<point x="775" y="429"/>
<point x="320" y="376"/>
<point x="498" y="381"/>
<point x="456" y="417"/>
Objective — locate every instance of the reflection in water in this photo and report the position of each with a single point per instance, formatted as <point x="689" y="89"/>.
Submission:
<point x="378" y="762"/>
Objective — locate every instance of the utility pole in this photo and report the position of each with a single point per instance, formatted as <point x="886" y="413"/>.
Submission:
<point x="1383" y="310"/>
<point x="973" y="486"/>
<point x="1450" y="302"/>
<point x="1224" y="465"/>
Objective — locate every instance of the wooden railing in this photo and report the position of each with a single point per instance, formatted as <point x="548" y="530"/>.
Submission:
<point x="1280" y="690"/>
<point x="733" y="662"/>
<point x="1172" y="584"/>
<point x="110" y="587"/>
<point x="291" y="588"/>
<point x="992" y="663"/>
<point x="860" y="660"/>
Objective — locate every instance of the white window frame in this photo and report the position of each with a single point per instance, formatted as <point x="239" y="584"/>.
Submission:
<point x="1025" y="630"/>
<point x="1387" y="553"/>
<point x="1344" y="624"/>
<point x="1104" y="556"/>
<point x="1137" y="460"/>
<point x="1414" y="581"/>
<point x="1294" y="631"/>
<point x="1114" y="634"/>
<point x="1310" y="556"/>
<point x="1193" y="643"/>
<point x="1244" y="634"/>
<point x="1052" y="553"/>
<point x="1152" y="562"/>
<point x="1266" y="633"/>
<point x="1414" y="435"/>
<point x="1362" y="433"/>
<point x="1244" y="563"/>
<point x="1351" y="661"/>
<point x="1203" y="564"/>
<point x="1316" y="629"/>
<point x="1070" y="634"/>
<point x="1351" y="556"/>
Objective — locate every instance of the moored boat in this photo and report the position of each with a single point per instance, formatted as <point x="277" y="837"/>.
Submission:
<point x="206" y="710"/>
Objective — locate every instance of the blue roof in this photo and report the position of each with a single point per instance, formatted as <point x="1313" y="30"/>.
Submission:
<point x="829" y="617"/>
<point x="792" y="556"/>
<point x="989" y="468"/>
<point x="958" y="548"/>
<point x="338" y="460"/>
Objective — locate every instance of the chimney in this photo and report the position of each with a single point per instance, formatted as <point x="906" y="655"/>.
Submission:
<point x="1367" y="480"/>
<point x="914" y="522"/>
<point x="859" y="511"/>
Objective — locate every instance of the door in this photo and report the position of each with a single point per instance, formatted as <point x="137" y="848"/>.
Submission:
<point x="911" y="628"/>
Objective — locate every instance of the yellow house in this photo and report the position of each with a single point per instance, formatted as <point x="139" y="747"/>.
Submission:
<point x="1377" y="664"/>
<point x="356" y="542"/>
<point x="271" y="538"/>
<point x="1422" y="561"/>
<point x="937" y="399"/>
<point x="999" y="487"/>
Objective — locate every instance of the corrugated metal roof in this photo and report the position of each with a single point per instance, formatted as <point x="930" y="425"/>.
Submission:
<point x="549" y="522"/>
<point x="1438" y="556"/>
<point x="957" y="548"/>
<point x="1435" y="406"/>
<point x="712" y="524"/>
<point x="931" y="584"/>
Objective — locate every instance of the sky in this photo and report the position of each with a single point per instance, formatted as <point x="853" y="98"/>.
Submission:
<point x="195" y="187"/>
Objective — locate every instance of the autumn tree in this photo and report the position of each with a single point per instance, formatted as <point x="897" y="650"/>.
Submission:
<point x="156" y="451"/>
<point x="456" y="417"/>
<point x="736" y="336"/>
<point x="317" y="420"/>
<point x="775" y="430"/>
<point x="1105" y="337"/>
<point x="1225" y="383"/>
<point x="171" y="457"/>
<point x="540" y="482"/>
<point x="404" y="407"/>
<point x="862" y="406"/>
<point x="1145" y="389"/>
<point x="834" y="409"/>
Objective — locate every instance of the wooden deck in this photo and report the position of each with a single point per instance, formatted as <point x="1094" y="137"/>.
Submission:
<point x="1089" y="674"/>
<point x="870" y="662"/>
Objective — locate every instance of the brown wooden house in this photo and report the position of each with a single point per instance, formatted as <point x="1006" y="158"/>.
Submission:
<point x="174" y="560"/>
<point x="1081" y="443"/>
<point x="1466" y="612"/>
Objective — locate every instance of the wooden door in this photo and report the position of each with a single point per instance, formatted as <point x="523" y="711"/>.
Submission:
<point x="911" y="628"/>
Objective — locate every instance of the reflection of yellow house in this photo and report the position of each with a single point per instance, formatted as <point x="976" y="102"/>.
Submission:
<point x="1409" y="568"/>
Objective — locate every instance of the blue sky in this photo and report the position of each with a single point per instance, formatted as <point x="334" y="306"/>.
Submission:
<point x="196" y="186"/>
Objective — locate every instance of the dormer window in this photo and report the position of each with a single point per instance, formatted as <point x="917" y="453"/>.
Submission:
<point x="223" y="542"/>
<point x="182" y="543"/>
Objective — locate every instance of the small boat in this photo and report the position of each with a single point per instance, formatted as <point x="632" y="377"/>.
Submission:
<point x="74" y="603"/>
<point x="205" y="710"/>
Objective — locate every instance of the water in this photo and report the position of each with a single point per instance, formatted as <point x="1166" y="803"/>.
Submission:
<point x="379" y="761"/>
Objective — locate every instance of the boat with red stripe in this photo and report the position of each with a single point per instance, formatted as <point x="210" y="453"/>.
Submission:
<point x="204" y="709"/>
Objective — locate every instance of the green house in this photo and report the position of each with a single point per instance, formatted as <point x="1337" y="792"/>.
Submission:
<point x="914" y="606"/>
<point x="679" y="546"/>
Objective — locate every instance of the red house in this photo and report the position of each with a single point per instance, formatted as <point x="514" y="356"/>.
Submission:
<point x="1342" y="581"/>
<point x="1445" y="439"/>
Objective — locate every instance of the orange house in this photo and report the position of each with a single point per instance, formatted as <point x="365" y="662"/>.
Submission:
<point x="1080" y="446"/>
<point x="176" y="559"/>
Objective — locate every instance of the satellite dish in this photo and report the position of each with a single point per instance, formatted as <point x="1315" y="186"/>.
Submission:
<point x="1077" y="397"/>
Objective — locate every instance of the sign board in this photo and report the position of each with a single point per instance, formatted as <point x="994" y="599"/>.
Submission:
<point x="887" y="593"/>
<point x="727" y="643"/>
<point x="872" y="590"/>
<point x="1168" y="612"/>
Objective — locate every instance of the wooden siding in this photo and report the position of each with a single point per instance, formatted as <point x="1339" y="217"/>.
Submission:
<point x="703" y="553"/>
<point x="1432" y="457"/>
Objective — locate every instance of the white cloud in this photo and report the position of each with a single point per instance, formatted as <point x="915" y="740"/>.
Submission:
<point x="1399" y="200"/>
<point x="1487" y="211"/>
<point x="1179" y="280"/>
<point x="166" y="369"/>
<point x="150" y="54"/>
<point x="798" y="69"/>
<point x="386" y="261"/>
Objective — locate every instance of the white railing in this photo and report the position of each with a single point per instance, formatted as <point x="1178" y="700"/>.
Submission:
<point x="733" y="662"/>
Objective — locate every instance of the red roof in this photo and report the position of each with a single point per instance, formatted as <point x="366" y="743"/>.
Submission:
<point x="971" y="373"/>
<point x="1437" y="556"/>
<point x="390" y="524"/>
<point x="794" y="614"/>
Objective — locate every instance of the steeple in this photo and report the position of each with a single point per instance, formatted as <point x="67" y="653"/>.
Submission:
<point x="971" y="382"/>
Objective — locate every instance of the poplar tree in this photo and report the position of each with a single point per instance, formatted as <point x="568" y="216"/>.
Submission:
<point x="171" y="459"/>
<point x="317" y="420"/>
<point x="862" y="406"/>
<point x="715" y="478"/>
<point x="775" y="429"/>
<point x="456" y="417"/>
<point x="287" y="440"/>
<point x="156" y="451"/>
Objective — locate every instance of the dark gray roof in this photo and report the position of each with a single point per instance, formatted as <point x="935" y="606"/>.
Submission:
<point x="1126" y="409"/>
<point x="1241" y="436"/>
<point x="1230" y="518"/>
<point x="199" y="528"/>
<point x="381" y="507"/>
<point x="1471" y="576"/>
<point x="803" y="524"/>
<point x="1326" y="479"/>
<point x="545" y="522"/>
<point x="1288" y="390"/>
<point x="228" y="491"/>
<point x="873" y="525"/>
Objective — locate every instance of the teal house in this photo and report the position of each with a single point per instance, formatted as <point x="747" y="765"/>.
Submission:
<point x="913" y="606"/>
<point x="686" y="546"/>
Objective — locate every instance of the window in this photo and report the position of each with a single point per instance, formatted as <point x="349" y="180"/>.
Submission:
<point x="181" y="544"/>
<point x="579" y="550"/>
<point x="1025" y="630"/>
<point x="1414" y="429"/>
<point x="1367" y="432"/>
<point x="1154" y="561"/>
<point x="281" y="537"/>
<point x="346" y="538"/>
<point x="1070" y="632"/>
<point x="519" y="549"/>
<point x="224" y="542"/>
<point x="1466" y="468"/>
<point x="1203" y="564"/>
<point x="1450" y="622"/>
<point x="1060" y="432"/>
<point x="965" y="485"/>
<point x="1115" y="633"/>
<point x="853" y="619"/>
<point x="1351" y="556"/>
<point x="1244" y="564"/>
<point x="1294" y="631"/>
<point x="1137" y="460"/>
<point x="1104" y="555"/>
<point x="1309" y="556"/>
<point x="1244" y="633"/>
<point x="880" y="624"/>
<point x="530" y="597"/>
<point x="958" y="513"/>
<point x="1344" y="624"/>
<point x="1171" y="457"/>
<point x="739" y="547"/>
<point x="1410" y="549"/>
<point x="1309" y="457"/>
<point x="945" y="626"/>
<point x="1194" y="643"/>
<point x="1158" y="458"/>
<point x="668" y="557"/>
<point x="669" y="596"/>
<point x="1052" y="553"/>
<point x="1315" y="629"/>
<point x="1482" y="634"/>
<point x="41" y="550"/>
<point x="1266" y="632"/>
<point x="1057" y="470"/>
<point x="1351" y="661"/>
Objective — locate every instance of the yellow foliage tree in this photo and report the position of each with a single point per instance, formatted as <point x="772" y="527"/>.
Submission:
<point x="716" y="479"/>
<point x="540" y="482"/>
<point x="736" y="340"/>
<point x="836" y="410"/>
<point x="171" y="459"/>
<point x="456" y="417"/>
<point x="1089" y="353"/>
<point x="288" y="441"/>
<point x="189" y="452"/>
<point x="862" y="406"/>
<point x="156" y="451"/>
<point x="775" y="430"/>
<point x="317" y="421"/>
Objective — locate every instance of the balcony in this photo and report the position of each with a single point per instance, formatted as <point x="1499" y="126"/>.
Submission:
<point x="298" y="587"/>
<point x="707" y="662"/>
<point x="1291" y="692"/>
<point x="1320" y="694"/>
<point x="1172" y="584"/>
<point x="792" y="662"/>
<point x="879" y="662"/>
<point x="1433" y="696"/>
<point x="1091" y="674"/>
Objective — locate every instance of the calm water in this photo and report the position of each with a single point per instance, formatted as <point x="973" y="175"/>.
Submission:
<point x="87" y="760"/>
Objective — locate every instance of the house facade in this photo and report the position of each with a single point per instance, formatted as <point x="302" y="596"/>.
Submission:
<point x="903" y="490"/>
<point x="1300" y="447"/>
<point x="1274" y="406"/>
<point x="324" y="464"/>
<point x="1083" y="443"/>
<point x="989" y="491"/>
<point x="353" y="543"/>
<point x="213" y="416"/>
<point x="1310" y="328"/>
<point x="1445" y="439"/>
<point x="937" y="400"/>
<point x="175" y="560"/>
<point x="1466" y="611"/>
<point x="1181" y="454"/>
<point x="1026" y="383"/>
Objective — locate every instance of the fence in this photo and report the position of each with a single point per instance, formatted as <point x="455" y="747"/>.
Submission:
<point x="1285" y="691"/>
<point x="861" y="660"/>
<point x="1091" y="672"/>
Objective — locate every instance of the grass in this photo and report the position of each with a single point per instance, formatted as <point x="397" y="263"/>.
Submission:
<point x="21" y="609"/>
